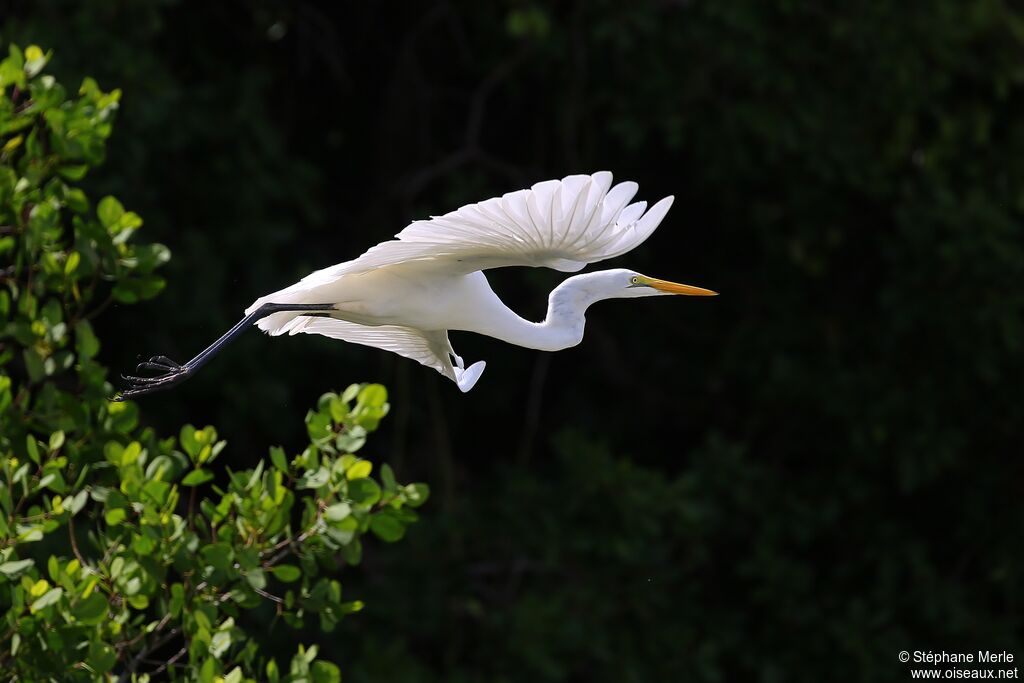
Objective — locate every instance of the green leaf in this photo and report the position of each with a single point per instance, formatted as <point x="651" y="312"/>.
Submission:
<point x="256" y="578"/>
<point x="387" y="479"/>
<point x="131" y="453"/>
<point x="351" y="440"/>
<point x="324" y="672"/>
<point x="71" y="264"/>
<point x="286" y="573"/>
<point x="91" y="610"/>
<point x="53" y="567"/>
<point x="197" y="477"/>
<point x="371" y="406"/>
<point x="220" y="643"/>
<point x="187" y="438"/>
<point x="115" y="516"/>
<point x="338" y="409"/>
<point x="75" y="504"/>
<point x="113" y="452"/>
<point x="313" y="480"/>
<point x="86" y="343"/>
<point x="208" y="671"/>
<point x="364" y="492"/>
<point x="32" y="448"/>
<point x="373" y="396"/>
<point x="151" y="256"/>
<point x="50" y="597"/>
<point x="359" y="470"/>
<point x="130" y="221"/>
<point x="352" y="552"/>
<point x="138" y="601"/>
<point x="11" y="71"/>
<point x="101" y="657"/>
<point x="155" y="491"/>
<point x="218" y="555"/>
<point x="76" y="200"/>
<point x="350" y="393"/>
<point x="35" y="60"/>
<point x="352" y="607"/>
<point x="134" y="289"/>
<point x="318" y="426"/>
<point x="416" y="494"/>
<point x="142" y="544"/>
<point x="14" y="568"/>
<point x="337" y="512"/>
<point x="109" y="211"/>
<point x="123" y="416"/>
<point x="177" y="599"/>
<point x="386" y="527"/>
<point x="73" y="172"/>
<point x="278" y="458"/>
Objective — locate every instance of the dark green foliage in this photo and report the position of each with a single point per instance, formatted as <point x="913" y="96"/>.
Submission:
<point x="823" y="461"/>
<point x="123" y="554"/>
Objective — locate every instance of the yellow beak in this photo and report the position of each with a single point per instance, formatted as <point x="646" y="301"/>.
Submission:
<point x="676" y="288"/>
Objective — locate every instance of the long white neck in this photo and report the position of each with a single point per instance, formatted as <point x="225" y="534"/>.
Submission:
<point x="561" y="328"/>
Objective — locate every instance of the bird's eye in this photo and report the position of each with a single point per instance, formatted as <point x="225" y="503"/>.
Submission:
<point x="634" y="280"/>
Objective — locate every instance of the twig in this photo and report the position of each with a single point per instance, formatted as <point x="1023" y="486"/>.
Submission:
<point x="99" y="309"/>
<point x="287" y="545"/>
<point x="74" y="542"/>
<point x="144" y="653"/>
<point x="172" y="661"/>
<point x="268" y="596"/>
<point x="159" y="627"/>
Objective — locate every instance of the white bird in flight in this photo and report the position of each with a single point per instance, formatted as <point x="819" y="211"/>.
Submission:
<point x="405" y="294"/>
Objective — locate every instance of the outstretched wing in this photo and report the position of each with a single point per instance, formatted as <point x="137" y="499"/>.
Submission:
<point x="561" y="224"/>
<point x="427" y="348"/>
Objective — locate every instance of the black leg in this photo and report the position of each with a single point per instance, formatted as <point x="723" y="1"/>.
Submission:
<point x="170" y="373"/>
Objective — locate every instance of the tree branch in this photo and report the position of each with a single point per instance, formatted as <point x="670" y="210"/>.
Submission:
<point x="74" y="541"/>
<point x="144" y="653"/>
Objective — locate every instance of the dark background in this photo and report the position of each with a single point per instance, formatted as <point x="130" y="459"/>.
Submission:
<point x="793" y="481"/>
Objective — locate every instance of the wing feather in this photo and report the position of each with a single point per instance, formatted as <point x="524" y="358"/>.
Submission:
<point x="562" y="224"/>
<point x="427" y="348"/>
<point x="632" y="212"/>
<point x="598" y="189"/>
<point x="573" y="210"/>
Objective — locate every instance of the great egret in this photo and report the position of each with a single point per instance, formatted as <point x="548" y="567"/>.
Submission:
<point x="404" y="295"/>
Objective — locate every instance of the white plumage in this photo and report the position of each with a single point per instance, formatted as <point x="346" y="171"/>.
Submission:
<point x="561" y="224"/>
<point x="405" y="294"/>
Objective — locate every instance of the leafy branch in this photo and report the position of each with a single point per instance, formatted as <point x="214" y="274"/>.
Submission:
<point x="176" y="550"/>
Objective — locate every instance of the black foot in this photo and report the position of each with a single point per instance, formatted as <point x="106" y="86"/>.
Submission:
<point x="168" y="373"/>
<point x="158" y="363"/>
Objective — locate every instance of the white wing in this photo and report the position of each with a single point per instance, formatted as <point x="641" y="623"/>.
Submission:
<point x="427" y="348"/>
<point x="561" y="224"/>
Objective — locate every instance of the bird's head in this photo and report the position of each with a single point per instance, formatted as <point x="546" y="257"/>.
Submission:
<point x="580" y="291"/>
<point x="622" y="283"/>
